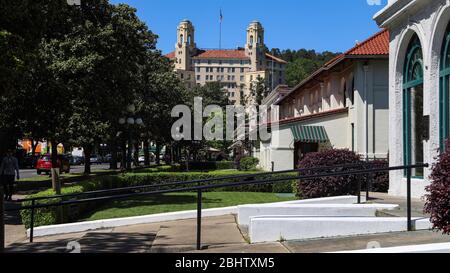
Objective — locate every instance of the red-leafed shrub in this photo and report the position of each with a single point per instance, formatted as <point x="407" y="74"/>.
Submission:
<point x="329" y="186"/>
<point x="380" y="181"/>
<point x="438" y="197"/>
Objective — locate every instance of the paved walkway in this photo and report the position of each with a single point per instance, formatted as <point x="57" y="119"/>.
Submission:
<point x="14" y="229"/>
<point x="219" y="235"/>
<point x="417" y="205"/>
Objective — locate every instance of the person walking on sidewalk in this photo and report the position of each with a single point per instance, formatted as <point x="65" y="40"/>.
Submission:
<point x="9" y="170"/>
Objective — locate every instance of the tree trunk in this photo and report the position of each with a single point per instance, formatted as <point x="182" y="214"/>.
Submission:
<point x="33" y="146"/>
<point x="113" y="149"/>
<point x="123" y="160"/>
<point x="136" y="154"/>
<point x="158" y="153"/>
<point x="56" y="183"/>
<point x="87" y="159"/>
<point x="146" y="153"/>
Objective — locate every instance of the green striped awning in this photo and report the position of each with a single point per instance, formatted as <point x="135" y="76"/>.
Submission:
<point x="310" y="134"/>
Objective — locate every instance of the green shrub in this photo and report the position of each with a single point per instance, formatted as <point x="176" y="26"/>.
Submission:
<point x="249" y="163"/>
<point x="193" y="166"/>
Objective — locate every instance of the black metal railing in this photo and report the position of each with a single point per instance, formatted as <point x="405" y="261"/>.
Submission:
<point x="189" y="186"/>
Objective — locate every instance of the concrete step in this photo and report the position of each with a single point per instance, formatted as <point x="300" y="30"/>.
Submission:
<point x="281" y="228"/>
<point x="428" y="248"/>
<point x="245" y="213"/>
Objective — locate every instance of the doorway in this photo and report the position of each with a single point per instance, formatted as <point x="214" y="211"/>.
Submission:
<point x="302" y="149"/>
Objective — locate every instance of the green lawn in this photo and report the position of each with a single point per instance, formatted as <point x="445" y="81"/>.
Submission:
<point x="180" y="202"/>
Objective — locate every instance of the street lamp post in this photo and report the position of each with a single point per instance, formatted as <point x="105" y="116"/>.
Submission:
<point x="130" y="122"/>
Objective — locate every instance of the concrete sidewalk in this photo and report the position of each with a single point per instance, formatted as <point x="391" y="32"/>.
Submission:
<point x="219" y="235"/>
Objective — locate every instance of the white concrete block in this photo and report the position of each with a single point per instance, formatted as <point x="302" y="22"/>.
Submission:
<point x="348" y="199"/>
<point x="272" y="229"/>
<point x="349" y="210"/>
<point x="429" y="248"/>
<point x="129" y="221"/>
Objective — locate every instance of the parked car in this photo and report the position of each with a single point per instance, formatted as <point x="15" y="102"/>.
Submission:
<point x="95" y="159"/>
<point x="107" y="158"/>
<point x="30" y="161"/>
<point x="44" y="164"/>
<point x="76" y="160"/>
<point x="141" y="159"/>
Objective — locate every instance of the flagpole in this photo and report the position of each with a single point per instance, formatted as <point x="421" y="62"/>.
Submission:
<point x="220" y="31"/>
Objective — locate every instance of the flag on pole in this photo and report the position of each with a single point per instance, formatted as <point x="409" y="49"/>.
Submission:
<point x="221" y="16"/>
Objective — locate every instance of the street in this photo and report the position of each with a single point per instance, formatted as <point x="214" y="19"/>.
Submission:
<point x="29" y="173"/>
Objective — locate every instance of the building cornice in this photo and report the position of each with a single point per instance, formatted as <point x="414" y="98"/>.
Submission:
<point x="393" y="11"/>
<point x="314" y="116"/>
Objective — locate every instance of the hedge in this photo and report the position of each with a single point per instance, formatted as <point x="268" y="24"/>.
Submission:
<point x="54" y="215"/>
<point x="249" y="163"/>
<point x="193" y="166"/>
<point x="332" y="185"/>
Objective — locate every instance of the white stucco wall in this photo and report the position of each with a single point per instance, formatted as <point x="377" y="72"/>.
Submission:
<point x="281" y="148"/>
<point x="428" y="19"/>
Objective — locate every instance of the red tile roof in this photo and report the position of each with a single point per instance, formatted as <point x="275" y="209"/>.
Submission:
<point x="221" y="54"/>
<point x="238" y="54"/>
<point x="170" y="55"/>
<point x="378" y="44"/>
<point x="375" y="45"/>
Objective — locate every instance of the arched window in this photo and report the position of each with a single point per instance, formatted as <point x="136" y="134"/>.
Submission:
<point x="181" y="39"/>
<point x="413" y="120"/>
<point x="251" y="39"/>
<point x="189" y="40"/>
<point x="444" y="90"/>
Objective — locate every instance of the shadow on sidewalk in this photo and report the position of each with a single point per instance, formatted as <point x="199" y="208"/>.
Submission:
<point x="95" y="242"/>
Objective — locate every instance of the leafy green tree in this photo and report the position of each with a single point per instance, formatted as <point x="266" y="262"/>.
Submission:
<point x="299" y="70"/>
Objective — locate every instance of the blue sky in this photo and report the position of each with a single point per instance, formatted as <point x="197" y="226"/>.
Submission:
<point x="333" y="25"/>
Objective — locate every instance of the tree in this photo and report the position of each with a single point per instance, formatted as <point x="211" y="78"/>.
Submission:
<point x="299" y="70"/>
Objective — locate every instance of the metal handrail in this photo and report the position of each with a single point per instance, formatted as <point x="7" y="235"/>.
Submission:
<point x="182" y="183"/>
<point x="200" y="189"/>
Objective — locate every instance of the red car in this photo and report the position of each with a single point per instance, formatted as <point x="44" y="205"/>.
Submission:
<point x="44" y="164"/>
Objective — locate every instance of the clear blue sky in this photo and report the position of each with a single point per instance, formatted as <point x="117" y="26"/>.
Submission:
<point x="333" y="25"/>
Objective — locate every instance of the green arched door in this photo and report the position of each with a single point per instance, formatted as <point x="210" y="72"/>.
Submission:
<point x="413" y="118"/>
<point x="444" y="80"/>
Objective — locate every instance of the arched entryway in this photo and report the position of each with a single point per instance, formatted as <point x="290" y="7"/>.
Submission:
<point x="444" y="86"/>
<point x="413" y="114"/>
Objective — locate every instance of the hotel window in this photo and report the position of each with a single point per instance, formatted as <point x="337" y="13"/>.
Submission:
<point x="233" y="70"/>
<point x="209" y="61"/>
<point x="220" y="62"/>
<point x="199" y="77"/>
<point x="218" y="69"/>
<point x="222" y="69"/>
<point x="242" y="70"/>
<point x="198" y="69"/>
<point x="242" y="78"/>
